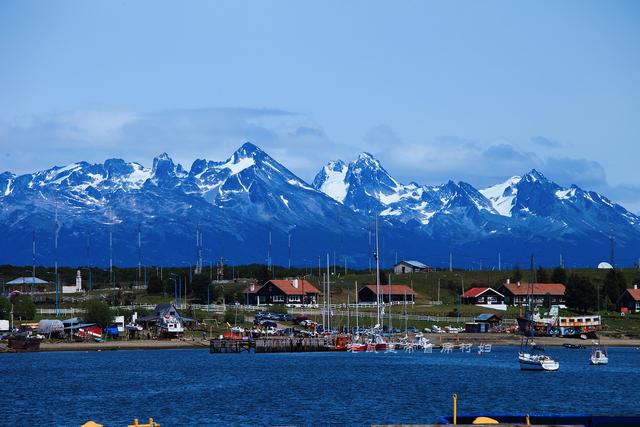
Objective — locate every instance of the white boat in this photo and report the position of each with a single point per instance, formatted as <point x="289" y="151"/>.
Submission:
<point x="533" y="358"/>
<point x="537" y="362"/>
<point x="599" y="356"/>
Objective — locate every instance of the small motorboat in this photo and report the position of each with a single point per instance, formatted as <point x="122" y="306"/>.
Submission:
<point x="598" y="356"/>
<point x="574" y="346"/>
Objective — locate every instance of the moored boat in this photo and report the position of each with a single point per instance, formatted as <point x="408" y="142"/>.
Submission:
<point x="599" y="356"/>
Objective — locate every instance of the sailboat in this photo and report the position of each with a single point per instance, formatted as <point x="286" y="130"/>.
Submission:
<point x="531" y="356"/>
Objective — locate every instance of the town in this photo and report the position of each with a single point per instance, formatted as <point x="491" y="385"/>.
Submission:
<point x="185" y="307"/>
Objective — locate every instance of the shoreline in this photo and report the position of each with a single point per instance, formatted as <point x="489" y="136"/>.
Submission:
<point x="507" y="340"/>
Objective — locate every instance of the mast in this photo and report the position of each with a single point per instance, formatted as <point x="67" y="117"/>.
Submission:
<point x="357" y="321"/>
<point x="139" y="255"/>
<point x="328" y="295"/>
<point x="377" y="257"/>
<point x="56" y="260"/>
<point x="33" y="268"/>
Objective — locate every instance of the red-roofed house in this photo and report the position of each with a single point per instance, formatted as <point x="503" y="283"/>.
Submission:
<point x="482" y="296"/>
<point x="630" y="299"/>
<point x="394" y="292"/>
<point x="541" y="293"/>
<point x="290" y="291"/>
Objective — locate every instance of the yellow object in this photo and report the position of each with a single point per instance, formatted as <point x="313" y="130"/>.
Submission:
<point x="455" y="408"/>
<point x="91" y="424"/>
<point x="137" y="424"/>
<point x="485" y="420"/>
<point x="528" y="421"/>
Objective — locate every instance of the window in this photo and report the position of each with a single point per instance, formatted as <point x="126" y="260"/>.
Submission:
<point x="491" y="300"/>
<point x="480" y="299"/>
<point x="294" y="298"/>
<point x="278" y="298"/>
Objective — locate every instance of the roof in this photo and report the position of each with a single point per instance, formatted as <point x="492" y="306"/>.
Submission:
<point x="635" y="293"/>
<point x="416" y="264"/>
<point x="486" y="316"/>
<point x="287" y="287"/>
<point x="475" y="292"/>
<point x="392" y="289"/>
<point x="537" y="288"/>
<point x="27" y="280"/>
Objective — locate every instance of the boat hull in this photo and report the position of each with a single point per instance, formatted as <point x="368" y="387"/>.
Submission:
<point x="535" y="363"/>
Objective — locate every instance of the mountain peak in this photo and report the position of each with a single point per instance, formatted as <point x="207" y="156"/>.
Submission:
<point x="248" y="150"/>
<point x="534" y="175"/>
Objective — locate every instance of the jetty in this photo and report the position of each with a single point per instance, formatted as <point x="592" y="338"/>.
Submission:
<point x="270" y="345"/>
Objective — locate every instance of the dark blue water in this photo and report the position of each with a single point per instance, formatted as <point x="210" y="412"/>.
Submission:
<point x="193" y="387"/>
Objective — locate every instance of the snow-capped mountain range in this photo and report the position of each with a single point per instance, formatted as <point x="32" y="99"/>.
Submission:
<point x="241" y="203"/>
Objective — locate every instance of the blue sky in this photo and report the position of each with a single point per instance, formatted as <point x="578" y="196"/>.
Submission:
<point x="467" y="90"/>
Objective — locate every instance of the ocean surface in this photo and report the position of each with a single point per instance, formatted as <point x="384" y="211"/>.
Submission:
<point x="193" y="387"/>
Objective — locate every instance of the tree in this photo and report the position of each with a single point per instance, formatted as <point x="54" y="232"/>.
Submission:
<point x="517" y="274"/>
<point x="614" y="285"/>
<point x="5" y="308"/>
<point x="98" y="312"/>
<point x="199" y="285"/>
<point x="559" y="275"/>
<point x="581" y="294"/>
<point x="24" y="308"/>
<point x="541" y="275"/>
<point x="156" y="286"/>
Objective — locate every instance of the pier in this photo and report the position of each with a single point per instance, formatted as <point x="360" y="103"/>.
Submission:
<point x="270" y="345"/>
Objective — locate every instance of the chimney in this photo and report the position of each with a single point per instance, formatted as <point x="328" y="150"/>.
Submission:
<point x="635" y="286"/>
<point x="294" y="282"/>
<point x="508" y="280"/>
<point x="252" y="287"/>
<point x="518" y="283"/>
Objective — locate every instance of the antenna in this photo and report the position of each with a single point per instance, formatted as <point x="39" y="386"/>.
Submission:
<point x="561" y="261"/>
<point x="499" y="262"/>
<point x="450" y="261"/>
<point x="612" y="256"/>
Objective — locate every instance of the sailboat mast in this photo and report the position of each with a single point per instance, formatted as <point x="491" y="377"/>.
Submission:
<point x="377" y="257"/>
<point x="328" y="324"/>
<point x="357" y="321"/>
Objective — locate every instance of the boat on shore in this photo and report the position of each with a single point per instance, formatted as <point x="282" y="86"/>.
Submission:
<point x="24" y="342"/>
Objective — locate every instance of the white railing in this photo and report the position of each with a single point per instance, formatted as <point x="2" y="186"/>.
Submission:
<point x="60" y="311"/>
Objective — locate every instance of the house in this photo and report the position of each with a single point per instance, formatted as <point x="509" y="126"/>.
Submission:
<point x="400" y="293"/>
<point x="482" y="296"/>
<point x="290" y="291"/>
<point x="483" y="323"/>
<point x="404" y="267"/>
<point x="541" y="293"/>
<point x="630" y="300"/>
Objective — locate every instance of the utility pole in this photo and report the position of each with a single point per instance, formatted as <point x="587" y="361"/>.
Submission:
<point x="561" y="261"/>
<point x="499" y="262"/>
<point x="33" y="268"/>
<point x="450" y="261"/>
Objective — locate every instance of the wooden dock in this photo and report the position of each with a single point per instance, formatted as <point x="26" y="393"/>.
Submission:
<point x="270" y="345"/>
